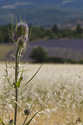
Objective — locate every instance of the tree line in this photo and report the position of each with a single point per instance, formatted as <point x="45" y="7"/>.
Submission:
<point x="40" y="55"/>
<point x="37" y="33"/>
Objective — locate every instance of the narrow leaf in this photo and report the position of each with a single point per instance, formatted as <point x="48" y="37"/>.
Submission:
<point x="2" y="121"/>
<point x="32" y="118"/>
<point x="19" y="81"/>
<point x="34" y="75"/>
<point x="12" y="65"/>
<point x="12" y="55"/>
<point x="7" y="74"/>
<point x="11" y="37"/>
<point x="24" y="70"/>
<point x="11" y="27"/>
<point x="31" y="29"/>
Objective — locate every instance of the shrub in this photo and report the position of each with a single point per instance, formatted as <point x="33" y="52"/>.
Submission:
<point x="38" y="54"/>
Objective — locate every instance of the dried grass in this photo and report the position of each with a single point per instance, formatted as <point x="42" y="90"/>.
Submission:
<point x="56" y="89"/>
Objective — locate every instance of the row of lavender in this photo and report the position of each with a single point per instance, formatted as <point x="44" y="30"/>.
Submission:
<point x="57" y="48"/>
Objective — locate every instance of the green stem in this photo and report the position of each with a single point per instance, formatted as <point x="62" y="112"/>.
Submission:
<point x="25" y="120"/>
<point x="16" y="78"/>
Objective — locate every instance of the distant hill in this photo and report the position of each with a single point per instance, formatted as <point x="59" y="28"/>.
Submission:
<point x="44" y="12"/>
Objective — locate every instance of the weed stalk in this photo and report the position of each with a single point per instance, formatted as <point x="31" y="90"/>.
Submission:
<point x="16" y="78"/>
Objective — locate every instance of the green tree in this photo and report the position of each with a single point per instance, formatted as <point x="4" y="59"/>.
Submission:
<point x="78" y="30"/>
<point x="1" y="37"/>
<point x="38" y="54"/>
<point x="55" y="28"/>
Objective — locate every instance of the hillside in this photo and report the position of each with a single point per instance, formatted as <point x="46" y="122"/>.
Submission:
<point x="45" y="12"/>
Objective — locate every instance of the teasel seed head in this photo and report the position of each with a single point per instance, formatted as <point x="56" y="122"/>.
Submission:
<point x="10" y="121"/>
<point x="21" y="29"/>
<point x="27" y="111"/>
<point x="22" y="41"/>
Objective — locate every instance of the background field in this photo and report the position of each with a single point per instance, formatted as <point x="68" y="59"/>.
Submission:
<point x="65" y="48"/>
<point x="4" y="50"/>
<point x="56" y="89"/>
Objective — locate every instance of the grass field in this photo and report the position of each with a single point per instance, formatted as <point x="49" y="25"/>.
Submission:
<point x="57" y="90"/>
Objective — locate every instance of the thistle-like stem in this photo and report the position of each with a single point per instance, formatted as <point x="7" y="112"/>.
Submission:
<point x="16" y="78"/>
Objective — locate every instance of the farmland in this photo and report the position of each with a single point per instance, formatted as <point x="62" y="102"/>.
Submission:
<point x="67" y="48"/>
<point x="56" y="89"/>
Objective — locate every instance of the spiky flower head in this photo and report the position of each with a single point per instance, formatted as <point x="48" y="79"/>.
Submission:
<point x="27" y="111"/>
<point x="21" y="29"/>
<point x="22" y="42"/>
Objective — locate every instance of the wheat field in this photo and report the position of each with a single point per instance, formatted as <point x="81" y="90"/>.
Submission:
<point x="56" y="90"/>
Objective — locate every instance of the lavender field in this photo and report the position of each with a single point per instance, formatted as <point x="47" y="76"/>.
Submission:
<point x="67" y="48"/>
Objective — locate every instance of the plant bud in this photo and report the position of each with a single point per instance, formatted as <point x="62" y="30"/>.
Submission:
<point x="10" y="121"/>
<point x="21" y="30"/>
<point x="22" y="42"/>
<point x="27" y="111"/>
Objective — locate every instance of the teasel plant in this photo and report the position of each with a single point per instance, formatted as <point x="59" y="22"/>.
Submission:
<point x="20" y="38"/>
